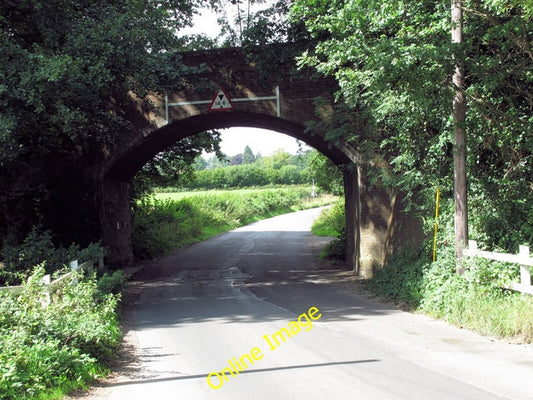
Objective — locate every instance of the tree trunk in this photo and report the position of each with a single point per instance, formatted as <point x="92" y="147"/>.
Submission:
<point x="459" y="138"/>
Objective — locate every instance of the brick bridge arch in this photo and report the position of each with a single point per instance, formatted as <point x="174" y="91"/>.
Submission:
<point x="266" y="91"/>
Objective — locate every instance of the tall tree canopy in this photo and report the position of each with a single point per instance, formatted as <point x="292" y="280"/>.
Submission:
<point x="257" y="22"/>
<point x="248" y="156"/>
<point x="393" y="61"/>
<point x="72" y="74"/>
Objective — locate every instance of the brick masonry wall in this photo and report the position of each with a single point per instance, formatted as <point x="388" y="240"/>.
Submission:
<point x="254" y="73"/>
<point x="386" y="228"/>
<point x="244" y="75"/>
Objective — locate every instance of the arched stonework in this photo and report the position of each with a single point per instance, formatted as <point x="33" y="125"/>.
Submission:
<point x="281" y="100"/>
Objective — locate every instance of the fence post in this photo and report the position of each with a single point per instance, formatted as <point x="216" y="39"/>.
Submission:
<point x="525" y="271"/>
<point x="74" y="266"/>
<point x="45" y="300"/>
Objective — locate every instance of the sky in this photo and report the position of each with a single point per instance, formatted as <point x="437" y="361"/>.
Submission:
<point x="234" y="140"/>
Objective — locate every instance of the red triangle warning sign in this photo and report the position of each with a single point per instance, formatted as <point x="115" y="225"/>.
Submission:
<point x="221" y="101"/>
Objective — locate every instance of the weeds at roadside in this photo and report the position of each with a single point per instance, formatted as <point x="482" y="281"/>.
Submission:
<point x="475" y="300"/>
<point x="331" y="222"/>
<point x="161" y="226"/>
<point x="48" y="351"/>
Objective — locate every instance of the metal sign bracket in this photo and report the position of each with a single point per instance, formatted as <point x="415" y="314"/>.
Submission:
<point x="237" y="100"/>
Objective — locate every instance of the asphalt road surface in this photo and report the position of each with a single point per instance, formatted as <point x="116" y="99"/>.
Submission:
<point x="252" y="314"/>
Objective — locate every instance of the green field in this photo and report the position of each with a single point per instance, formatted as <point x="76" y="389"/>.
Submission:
<point x="165" y="222"/>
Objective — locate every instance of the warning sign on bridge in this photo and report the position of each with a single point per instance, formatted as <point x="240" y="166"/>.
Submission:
<point x="221" y="101"/>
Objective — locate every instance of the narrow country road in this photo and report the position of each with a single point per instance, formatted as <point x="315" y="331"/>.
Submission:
<point x="218" y="306"/>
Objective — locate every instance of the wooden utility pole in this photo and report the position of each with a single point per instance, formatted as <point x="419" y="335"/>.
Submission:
<point x="459" y="138"/>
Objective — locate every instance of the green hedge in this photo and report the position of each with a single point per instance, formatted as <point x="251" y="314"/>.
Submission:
<point x="239" y="176"/>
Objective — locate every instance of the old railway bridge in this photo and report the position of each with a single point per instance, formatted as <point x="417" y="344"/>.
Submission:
<point x="266" y="91"/>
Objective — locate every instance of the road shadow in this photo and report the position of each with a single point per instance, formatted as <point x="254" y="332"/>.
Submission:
<point x="196" y="290"/>
<point x="249" y="371"/>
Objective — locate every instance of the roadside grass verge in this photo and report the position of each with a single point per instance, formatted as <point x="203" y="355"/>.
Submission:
<point x="331" y="222"/>
<point x="475" y="300"/>
<point x="48" y="351"/>
<point x="166" y="222"/>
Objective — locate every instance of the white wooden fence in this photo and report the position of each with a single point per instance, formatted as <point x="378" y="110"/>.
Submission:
<point x="87" y="266"/>
<point x="521" y="258"/>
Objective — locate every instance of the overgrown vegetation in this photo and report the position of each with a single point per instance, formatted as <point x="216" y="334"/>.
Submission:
<point x="394" y="61"/>
<point x="332" y="222"/>
<point x="79" y="74"/>
<point x="476" y="300"/>
<point x="161" y="226"/>
<point x="37" y="248"/>
<point x="50" y="350"/>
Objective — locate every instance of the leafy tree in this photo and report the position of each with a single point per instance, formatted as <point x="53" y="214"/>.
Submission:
<point x="236" y="159"/>
<point x="217" y="162"/>
<point x="393" y="61"/>
<point x="248" y="156"/>
<point x="175" y="165"/>
<point x="200" y="163"/>
<point x="325" y="174"/>
<point x="73" y="77"/>
<point x="499" y="120"/>
<point x="273" y="25"/>
<point x="277" y="160"/>
<point x="251" y="23"/>
<point x="390" y="59"/>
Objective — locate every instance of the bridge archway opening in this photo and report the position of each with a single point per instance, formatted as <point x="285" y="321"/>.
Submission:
<point x="373" y="224"/>
<point x="125" y="165"/>
<point x="115" y="203"/>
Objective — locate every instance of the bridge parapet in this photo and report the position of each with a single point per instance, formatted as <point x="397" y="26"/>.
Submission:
<point x="250" y="73"/>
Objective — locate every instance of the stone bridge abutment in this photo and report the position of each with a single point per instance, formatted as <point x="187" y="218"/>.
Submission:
<point x="266" y="94"/>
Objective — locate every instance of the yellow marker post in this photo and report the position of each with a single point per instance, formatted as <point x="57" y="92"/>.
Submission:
<point x="436" y="225"/>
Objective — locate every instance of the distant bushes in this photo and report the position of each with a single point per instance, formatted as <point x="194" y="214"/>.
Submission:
<point x="248" y="175"/>
<point x="161" y="226"/>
